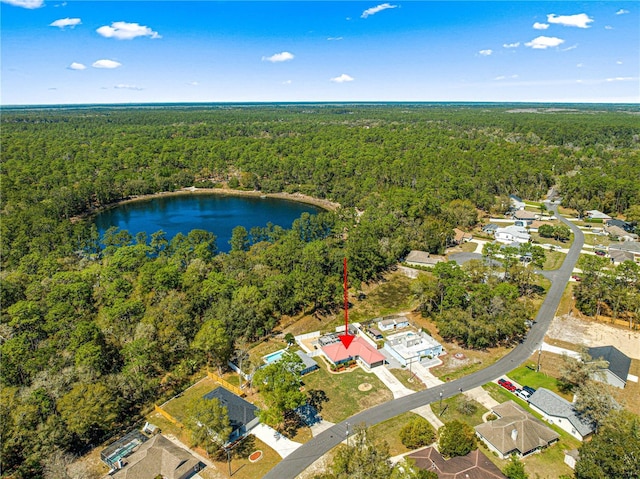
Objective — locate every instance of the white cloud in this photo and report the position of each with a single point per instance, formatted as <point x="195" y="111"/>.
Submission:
<point x="77" y="66"/>
<point x="334" y="39"/>
<point x="30" y="4"/>
<point x="608" y="27"/>
<point x="622" y="11"/>
<point x="122" y="86"/>
<point x="511" y="45"/>
<point x="279" y="57"/>
<point x="66" y="22"/>
<point x="106" y="64"/>
<point x="342" y="78"/>
<point x="506" y="77"/>
<point x="373" y="10"/>
<point x="485" y="53"/>
<point x="126" y="31"/>
<point x="580" y="65"/>
<point x="193" y="83"/>
<point x="621" y="79"/>
<point x="581" y="20"/>
<point x="287" y="82"/>
<point x="542" y="43"/>
<point x="540" y="26"/>
<point x="618" y="62"/>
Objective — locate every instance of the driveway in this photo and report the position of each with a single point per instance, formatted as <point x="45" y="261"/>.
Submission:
<point x="393" y="383"/>
<point x="275" y="440"/>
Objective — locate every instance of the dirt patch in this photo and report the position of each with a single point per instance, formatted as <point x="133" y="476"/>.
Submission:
<point x="365" y="387"/>
<point x="575" y="330"/>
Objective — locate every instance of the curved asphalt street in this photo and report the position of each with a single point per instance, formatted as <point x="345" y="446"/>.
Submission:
<point x="309" y="452"/>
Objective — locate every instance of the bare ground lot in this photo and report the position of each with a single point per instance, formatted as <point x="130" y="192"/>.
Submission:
<point x="573" y="330"/>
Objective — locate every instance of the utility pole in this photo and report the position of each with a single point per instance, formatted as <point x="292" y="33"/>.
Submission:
<point x="441" y="403"/>
<point x="539" y="354"/>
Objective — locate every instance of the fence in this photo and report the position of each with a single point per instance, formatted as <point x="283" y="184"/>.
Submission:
<point x="167" y="416"/>
<point x="227" y="385"/>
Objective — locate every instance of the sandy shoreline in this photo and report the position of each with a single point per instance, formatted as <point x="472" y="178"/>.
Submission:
<point x="298" y="197"/>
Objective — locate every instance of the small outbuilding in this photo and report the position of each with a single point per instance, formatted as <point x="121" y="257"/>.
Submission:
<point x="309" y="364"/>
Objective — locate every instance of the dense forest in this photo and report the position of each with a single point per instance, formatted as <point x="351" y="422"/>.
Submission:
<point x="95" y="329"/>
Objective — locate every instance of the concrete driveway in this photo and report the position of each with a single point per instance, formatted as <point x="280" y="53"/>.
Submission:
<point x="393" y="383"/>
<point x="275" y="440"/>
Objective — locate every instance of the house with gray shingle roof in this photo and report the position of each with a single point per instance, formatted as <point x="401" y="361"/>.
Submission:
<point x="159" y="457"/>
<point x="559" y="411"/>
<point x="515" y="432"/>
<point x="474" y="465"/>
<point x="619" y="363"/>
<point x="242" y="414"/>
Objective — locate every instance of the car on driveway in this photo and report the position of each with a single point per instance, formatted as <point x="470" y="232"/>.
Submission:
<point x="508" y="385"/>
<point x="600" y="252"/>
<point x="528" y="389"/>
<point x="522" y="394"/>
<point x="575" y="277"/>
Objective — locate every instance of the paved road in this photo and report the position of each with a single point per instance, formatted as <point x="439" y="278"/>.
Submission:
<point x="308" y="453"/>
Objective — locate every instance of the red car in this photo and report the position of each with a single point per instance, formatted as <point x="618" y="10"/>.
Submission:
<point x="576" y="278"/>
<point x="600" y="253"/>
<point x="508" y="385"/>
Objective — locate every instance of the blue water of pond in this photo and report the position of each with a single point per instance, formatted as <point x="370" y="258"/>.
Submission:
<point x="218" y="214"/>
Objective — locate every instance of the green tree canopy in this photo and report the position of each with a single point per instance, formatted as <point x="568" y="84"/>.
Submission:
<point x="456" y="438"/>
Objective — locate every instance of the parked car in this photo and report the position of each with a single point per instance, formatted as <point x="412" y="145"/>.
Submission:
<point x="528" y="389"/>
<point x="522" y="394"/>
<point x="600" y="253"/>
<point x="508" y="385"/>
<point x="575" y="277"/>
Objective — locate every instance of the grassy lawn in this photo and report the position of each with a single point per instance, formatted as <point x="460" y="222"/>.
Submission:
<point x="391" y="296"/>
<point x="537" y="239"/>
<point x="450" y="410"/>
<point x="408" y="379"/>
<point x="474" y="361"/>
<point x="468" y="247"/>
<point x="176" y="406"/>
<point x="554" y="260"/>
<point x="345" y="399"/>
<point x="244" y="469"/>
<point x="527" y="376"/>
<point x="390" y="431"/>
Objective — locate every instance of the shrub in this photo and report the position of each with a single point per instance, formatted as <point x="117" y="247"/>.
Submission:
<point x="417" y="433"/>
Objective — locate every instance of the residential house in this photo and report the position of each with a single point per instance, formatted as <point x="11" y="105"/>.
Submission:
<point x="461" y="237"/>
<point x="621" y="234"/>
<point x="512" y="234"/>
<point x="596" y="215"/>
<point x="617" y="371"/>
<point x="412" y="346"/>
<point x="423" y="258"/>
<point x="516" y="203"/>
<point x="628" y="227"/>
<point x="559" y="411"/>
<point x="490" y="228"/>
<point x="309" y="364"/>
<point x="158" y="457"/>
<point x="475" y="465"/>
<point x="359" y="350"/>
<point x="242" y="414"/>
<point x="524" y="215"/>
<point x="515" y="432"/>
<point x="630" y="250"/>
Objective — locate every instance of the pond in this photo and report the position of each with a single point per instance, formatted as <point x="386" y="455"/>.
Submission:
<point x="216" y="213"/>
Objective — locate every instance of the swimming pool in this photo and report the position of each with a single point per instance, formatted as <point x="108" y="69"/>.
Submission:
<point x="273" y="357"/>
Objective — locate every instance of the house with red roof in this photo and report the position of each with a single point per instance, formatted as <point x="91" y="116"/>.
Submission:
<point x="359" y="350"/>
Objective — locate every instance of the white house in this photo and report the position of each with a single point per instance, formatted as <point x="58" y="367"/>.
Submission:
<point x="512" y="234"/>
<point x="516" y="202"/>
<point x="411" y="346"/>
<point x="559" y="411"/>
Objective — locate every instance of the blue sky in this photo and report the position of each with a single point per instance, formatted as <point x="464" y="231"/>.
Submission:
<point x="70" y="52"/>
